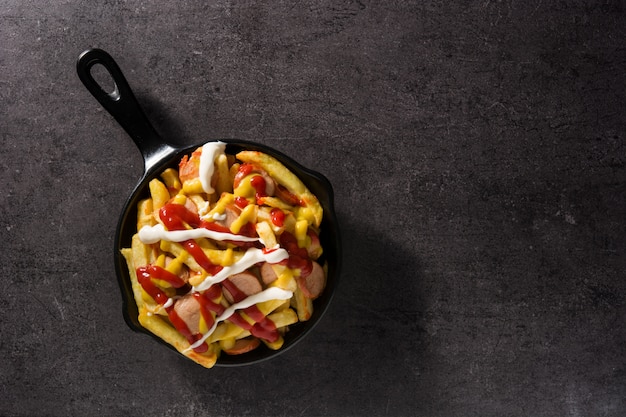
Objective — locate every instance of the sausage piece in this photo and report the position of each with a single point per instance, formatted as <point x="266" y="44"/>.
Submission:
<point x="315" y="248"/>
<point x="267" y="273"/>
<point x="188" y="309"/>
<point x="286" y="195"/>
<point x="313" y="284"/>
<point x="246" y="283"/>
<point x="189" y="168"/>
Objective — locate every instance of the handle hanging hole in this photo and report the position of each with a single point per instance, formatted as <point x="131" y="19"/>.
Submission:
<point x="103" y="78"/>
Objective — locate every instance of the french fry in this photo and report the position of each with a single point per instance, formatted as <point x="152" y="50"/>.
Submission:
<point x="276" y="202"/>
<point x="223" y="183"/>
<point x="281" y="319"/>
<point x="159" y="193"/>
<point x="303" y="305"/>
<point x="227" y="330"/>
<point x="265" y="232"/>
<point x="285" y="278"/>
<point x="171" y="180"/>
<point x="144" y="213"/>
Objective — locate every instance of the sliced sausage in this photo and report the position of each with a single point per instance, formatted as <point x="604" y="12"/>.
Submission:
<point x="286" y="195"/>
<point x="270" y="184"/>
<point x="243" y="346"/>
<point x="189" y="168"/>
<point x="267" y="273"/>
<point x="313" y="284"/>
<point x="191" y="206"/>
<point x="245" y="283"/>
<point x="188" y="309"/>
<point x="315" y="248"/>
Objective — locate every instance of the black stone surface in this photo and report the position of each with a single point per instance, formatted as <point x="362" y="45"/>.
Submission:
<point x="477" y="155"/>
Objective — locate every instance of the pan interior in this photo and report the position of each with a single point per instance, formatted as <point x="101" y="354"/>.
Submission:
<point x="329" y="238"/>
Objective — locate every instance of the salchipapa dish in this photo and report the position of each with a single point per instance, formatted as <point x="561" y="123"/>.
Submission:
<point x="226" y="253"/>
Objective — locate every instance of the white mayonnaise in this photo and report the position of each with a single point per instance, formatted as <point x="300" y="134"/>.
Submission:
<point x="219" y="217"/>
<point x="152" y="234"/>
<point x="210" y="151"/>
<point x="252" y="257"/>
<point x="272" y="293"/>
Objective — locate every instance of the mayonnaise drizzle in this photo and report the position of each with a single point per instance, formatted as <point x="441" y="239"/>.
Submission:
<point x="210" y="151"/>
<point x="272" y="293"/>
<point x="168" y="303"/>
<point x="152" y="234"/>
<point x="250" y="258"/>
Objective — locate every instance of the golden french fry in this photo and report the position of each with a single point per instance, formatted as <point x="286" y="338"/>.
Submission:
<point x="285" y="278"/>
<point x="128" y="255"/>
<point x="160" y="194"/>
<point x="304" y="305"/>
<point x="281" y="319"/>
<point x="284" y="317"/>
<point x="144" y="213"/>
<point x="223" y="183"/>
<point x="193" y="186"/>
<point x="265" y="232"/>
<point x="226" y="330"/>
<point x="226" y="344"/>
<point x="276" y="202"/>
<point x="171" y="180"/>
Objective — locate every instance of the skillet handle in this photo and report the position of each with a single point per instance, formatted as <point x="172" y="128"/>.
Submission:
<point x="122" y="105"/>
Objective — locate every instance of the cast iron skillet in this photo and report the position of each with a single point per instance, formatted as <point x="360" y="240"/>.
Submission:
<point x="159" y="155"/>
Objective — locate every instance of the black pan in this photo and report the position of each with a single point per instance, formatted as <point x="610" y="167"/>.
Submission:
<point x="159" y="155"/>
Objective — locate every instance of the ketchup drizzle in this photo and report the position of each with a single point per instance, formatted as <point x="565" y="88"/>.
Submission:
<point x="165" y="275"/>
<point x="298" y="257"/>
<point x="278" y="217"/>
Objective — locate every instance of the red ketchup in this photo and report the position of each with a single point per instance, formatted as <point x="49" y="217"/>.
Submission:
<point x="241" y="202"/>
<point x="258" y="183"/>
<point x="298" y="257"/>
<point x="278" y="217"/>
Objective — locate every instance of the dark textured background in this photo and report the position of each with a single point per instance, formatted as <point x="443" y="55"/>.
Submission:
<point x="477" y="155"/>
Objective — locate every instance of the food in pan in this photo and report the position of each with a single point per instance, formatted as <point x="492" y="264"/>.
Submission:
<point x="227" y="253"/>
